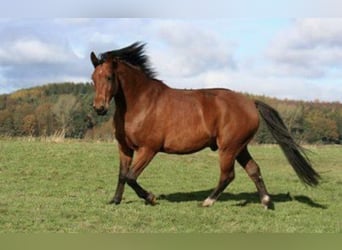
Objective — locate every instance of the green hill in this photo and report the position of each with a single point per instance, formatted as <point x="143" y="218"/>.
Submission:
<point x="65" y="109"/>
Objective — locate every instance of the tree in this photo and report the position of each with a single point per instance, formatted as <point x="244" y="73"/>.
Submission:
<point x="6" y="123"/>
<point x="29" y="125"/>
<point x="45" y="119"/>
<point x="18" y="114"/>
<point x="319" y="127"/>
<point x="64" y="109"/>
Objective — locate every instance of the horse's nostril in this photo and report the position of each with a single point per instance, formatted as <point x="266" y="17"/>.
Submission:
<point x="100" y="110"/>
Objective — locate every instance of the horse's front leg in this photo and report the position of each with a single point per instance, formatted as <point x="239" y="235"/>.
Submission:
<point x="142" y="158"/>
<point x="126" y="156"/>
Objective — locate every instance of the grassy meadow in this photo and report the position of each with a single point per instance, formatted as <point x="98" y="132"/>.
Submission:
<point x="48" y="186"/>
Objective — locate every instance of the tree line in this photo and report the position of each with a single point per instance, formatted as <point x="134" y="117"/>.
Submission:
<point x="65" y="109"/>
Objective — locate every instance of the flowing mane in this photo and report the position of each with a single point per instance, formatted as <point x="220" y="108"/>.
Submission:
<point x="134" y="55"/>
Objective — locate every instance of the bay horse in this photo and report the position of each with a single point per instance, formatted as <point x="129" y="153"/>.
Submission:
<point x="151" y="117"/>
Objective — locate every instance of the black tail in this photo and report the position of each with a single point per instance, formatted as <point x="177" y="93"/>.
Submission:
<point x="293" y="152"/>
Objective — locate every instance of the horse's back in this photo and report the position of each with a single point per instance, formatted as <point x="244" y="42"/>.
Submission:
<point x="194" y="119"/>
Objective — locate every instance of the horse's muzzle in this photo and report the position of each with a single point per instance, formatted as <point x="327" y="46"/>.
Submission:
<point x="101" y="110"/>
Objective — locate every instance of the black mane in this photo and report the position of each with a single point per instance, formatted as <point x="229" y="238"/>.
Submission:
<point x="134" y="55"/>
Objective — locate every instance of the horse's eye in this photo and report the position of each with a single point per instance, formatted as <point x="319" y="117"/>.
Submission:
<point x="109" y="78"/>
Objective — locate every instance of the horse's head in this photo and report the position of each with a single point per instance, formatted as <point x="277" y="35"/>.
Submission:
<point x="105" y="83"/>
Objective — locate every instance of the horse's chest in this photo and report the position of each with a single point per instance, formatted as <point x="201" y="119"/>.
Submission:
<point x="138" y="133"/>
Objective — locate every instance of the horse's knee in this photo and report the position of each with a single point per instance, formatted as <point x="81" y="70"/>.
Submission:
<point x="227" y="177"/>
<point x="231" y="175"/>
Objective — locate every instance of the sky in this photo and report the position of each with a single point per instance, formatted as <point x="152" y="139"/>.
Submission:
<point x="295" y="58"/>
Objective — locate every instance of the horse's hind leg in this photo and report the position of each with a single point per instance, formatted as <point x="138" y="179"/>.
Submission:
<point x="253" y="170"/>
<point x="226" y="176"/>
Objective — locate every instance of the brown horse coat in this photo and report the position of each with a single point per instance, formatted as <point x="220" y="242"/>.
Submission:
<point x="151" y="117"/>
<point x="185" y="121"/>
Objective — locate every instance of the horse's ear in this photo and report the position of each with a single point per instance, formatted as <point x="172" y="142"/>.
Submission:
<point x="95" y="61"/>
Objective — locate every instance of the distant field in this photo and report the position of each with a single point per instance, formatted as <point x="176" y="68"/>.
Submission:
<point x="64" y="187"/>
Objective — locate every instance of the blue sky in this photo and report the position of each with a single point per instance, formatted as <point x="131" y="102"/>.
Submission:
<point x="295" y="58"/>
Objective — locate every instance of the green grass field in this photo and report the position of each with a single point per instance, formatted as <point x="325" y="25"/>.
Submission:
<point x="65" y="187"/>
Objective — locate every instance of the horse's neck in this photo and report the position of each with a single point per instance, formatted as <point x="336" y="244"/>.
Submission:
<point x="135" y="86"/>
<point x="138" y="91"/>
<point x="132" y="88"/>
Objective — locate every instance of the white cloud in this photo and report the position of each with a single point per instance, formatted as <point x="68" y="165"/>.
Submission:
<point x="30" y="61"/>
<point x="189" y="50"/>
<point x="303" y="61"/>
<point x="309" y="48"/>
<point x="32" y="51"/>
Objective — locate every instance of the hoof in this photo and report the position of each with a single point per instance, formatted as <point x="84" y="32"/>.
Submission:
<point x="266" y="201"/>
<point x="114" y="201"/>
<point x="151" y="200"/>
<point x="208" y="202"/>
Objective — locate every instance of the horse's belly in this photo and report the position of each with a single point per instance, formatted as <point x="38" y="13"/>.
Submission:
<point x="185" y="143"/>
